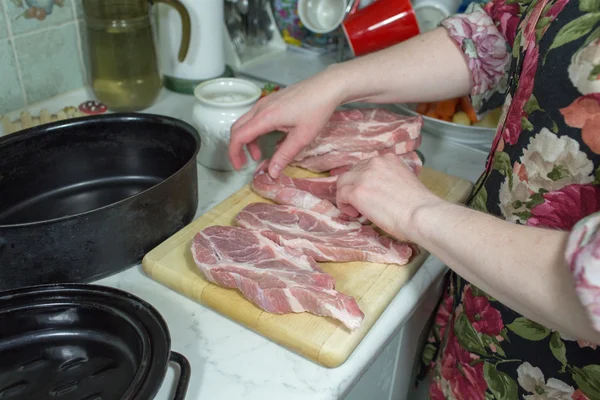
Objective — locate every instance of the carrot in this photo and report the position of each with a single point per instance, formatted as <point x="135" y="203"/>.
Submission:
<point x="431" y="111"/>
<point x="465" y="105"/>
<point x="446" y="109"/>
<point x="422" y="108"/>
<point x="432" y="114"/>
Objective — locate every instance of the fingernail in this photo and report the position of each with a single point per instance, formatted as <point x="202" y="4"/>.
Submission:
<point x="274" y="170"/>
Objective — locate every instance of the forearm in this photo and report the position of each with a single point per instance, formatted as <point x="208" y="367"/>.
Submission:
<point x="428" y="67"/>
<point x="522" y="267"/>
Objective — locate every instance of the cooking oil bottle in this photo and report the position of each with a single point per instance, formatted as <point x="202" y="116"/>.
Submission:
<point x="122" y="56"/>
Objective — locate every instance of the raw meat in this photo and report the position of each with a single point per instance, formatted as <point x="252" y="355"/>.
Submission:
<point x="363" y="130"/>
<point x="412" y="160"/>
<point x="302" y="193"/>
<point x="335" y="159"/>
<point x="277" y="279"/>
<point x="324" y="188"/>
<point x="316" y="194"/>
<point x="321" y="237"/>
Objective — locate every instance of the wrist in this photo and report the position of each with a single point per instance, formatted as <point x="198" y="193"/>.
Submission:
<point x="423" y="217"/>
<point x="336" y="83"/>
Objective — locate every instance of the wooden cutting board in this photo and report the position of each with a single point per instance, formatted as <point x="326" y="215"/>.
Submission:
<point x="323" y="340"/>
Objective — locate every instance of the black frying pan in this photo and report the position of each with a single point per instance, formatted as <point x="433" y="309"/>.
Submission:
<point x="85" y="198"/>
<point x="75" y="342"/>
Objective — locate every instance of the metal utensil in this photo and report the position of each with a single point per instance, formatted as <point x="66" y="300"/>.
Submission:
<point x="242" y="6"/>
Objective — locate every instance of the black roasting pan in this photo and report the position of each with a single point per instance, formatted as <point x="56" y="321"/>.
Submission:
<point x="85" y="198"/>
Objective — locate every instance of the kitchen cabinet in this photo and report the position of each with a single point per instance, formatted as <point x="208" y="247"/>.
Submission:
<point x="391" y="375"/>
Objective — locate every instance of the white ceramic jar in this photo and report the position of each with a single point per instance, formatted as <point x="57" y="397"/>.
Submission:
<point x="219" y="103"/>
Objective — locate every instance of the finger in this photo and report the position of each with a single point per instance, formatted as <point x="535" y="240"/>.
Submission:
<point x="343" y="200"/>
<point x="361" y="166"/>
<point x="245" y="134"/>
<point x="254" y="150"/>
<point x="346" y="168"/>
<point x="339" y="170"/>
<point x="344" y="183"/>
<point x="349" y="210"/>
<point x="285" y="153"/>
<point x="244" y="118"/>
<point x="346" y="179"/>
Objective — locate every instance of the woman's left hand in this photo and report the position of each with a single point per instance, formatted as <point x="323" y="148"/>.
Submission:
<point x="384" y="190"/>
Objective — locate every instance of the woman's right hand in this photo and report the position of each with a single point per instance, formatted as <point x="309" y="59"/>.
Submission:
<point x="300" y="111"/>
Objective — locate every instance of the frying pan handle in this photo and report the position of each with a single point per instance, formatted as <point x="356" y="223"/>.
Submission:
<point x="184" y="374"/>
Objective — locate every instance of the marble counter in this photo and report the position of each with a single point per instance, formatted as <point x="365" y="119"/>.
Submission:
<point x="231" y="362"/>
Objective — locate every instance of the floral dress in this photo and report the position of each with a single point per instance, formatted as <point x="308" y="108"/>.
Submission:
<point x="540" y="59"/>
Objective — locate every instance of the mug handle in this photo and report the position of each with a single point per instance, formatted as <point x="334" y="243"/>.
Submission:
<point x="185" y="26"/>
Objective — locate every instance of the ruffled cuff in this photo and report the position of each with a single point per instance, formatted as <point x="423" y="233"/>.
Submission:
<point x="486" y="51"/>
<point x="583" y="257"/>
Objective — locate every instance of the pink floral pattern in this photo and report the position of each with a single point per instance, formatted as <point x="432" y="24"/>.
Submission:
<point x="543" y="171"/>
<point x="443" y="314"/>
<point x="465" y="378"/>
<point x="563" y="208"/>
<point x="523" y="93"/>
<point x="482" y="316"/>
<point x="579" y="395"/>
<point x="436" y="392"/>
<point x="583" y="257"/>
<point x="485" y="49"/>
<point x="513" y="124"/>
<point x="507" y="18"/>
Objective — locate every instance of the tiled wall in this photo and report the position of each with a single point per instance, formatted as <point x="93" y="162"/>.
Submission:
<point x="39" y="57"/>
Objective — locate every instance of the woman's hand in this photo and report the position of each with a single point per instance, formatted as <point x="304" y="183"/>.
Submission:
<point x="300" y="111"/>
<point x="386" y="191"/>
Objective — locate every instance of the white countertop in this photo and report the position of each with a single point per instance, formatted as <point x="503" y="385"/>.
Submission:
<point x="231" y="362"/>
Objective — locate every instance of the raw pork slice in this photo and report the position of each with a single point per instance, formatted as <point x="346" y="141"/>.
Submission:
<point x="336" y="159"/>
<point x="276" y="279"/>
<point x="364" y="131"/>
<point x="412" y="161"/>
<point x="302" y="193"/>
<point x="321" y="237"/>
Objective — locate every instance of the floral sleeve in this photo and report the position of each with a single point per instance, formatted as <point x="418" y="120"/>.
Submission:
<point x="485" y="36"/>
<point x="583" y="257"/>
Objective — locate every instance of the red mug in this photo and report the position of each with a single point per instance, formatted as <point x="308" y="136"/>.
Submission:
<point x="379" y="25"/>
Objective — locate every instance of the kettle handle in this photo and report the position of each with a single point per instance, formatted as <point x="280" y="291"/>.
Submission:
<point x="185" y="26"/>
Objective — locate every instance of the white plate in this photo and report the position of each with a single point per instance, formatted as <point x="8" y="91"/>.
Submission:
<point x="450" y="130"/>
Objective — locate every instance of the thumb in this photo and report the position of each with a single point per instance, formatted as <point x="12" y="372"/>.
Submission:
<point x="343" y="195"/>
<point x="246" y="131"/>
<point x="285" y="153"/>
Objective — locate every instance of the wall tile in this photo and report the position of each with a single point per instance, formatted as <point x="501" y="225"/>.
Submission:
<point x="3" y="28"/>
<point x="85" y="53"/>
<point x="78" y="9"/>
<point x="49" y="62"/>
<point x="11" y="95"/>
<point x="50" y="12"/>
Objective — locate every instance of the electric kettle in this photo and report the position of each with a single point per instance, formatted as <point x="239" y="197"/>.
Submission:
<point x="206" y="56"/>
